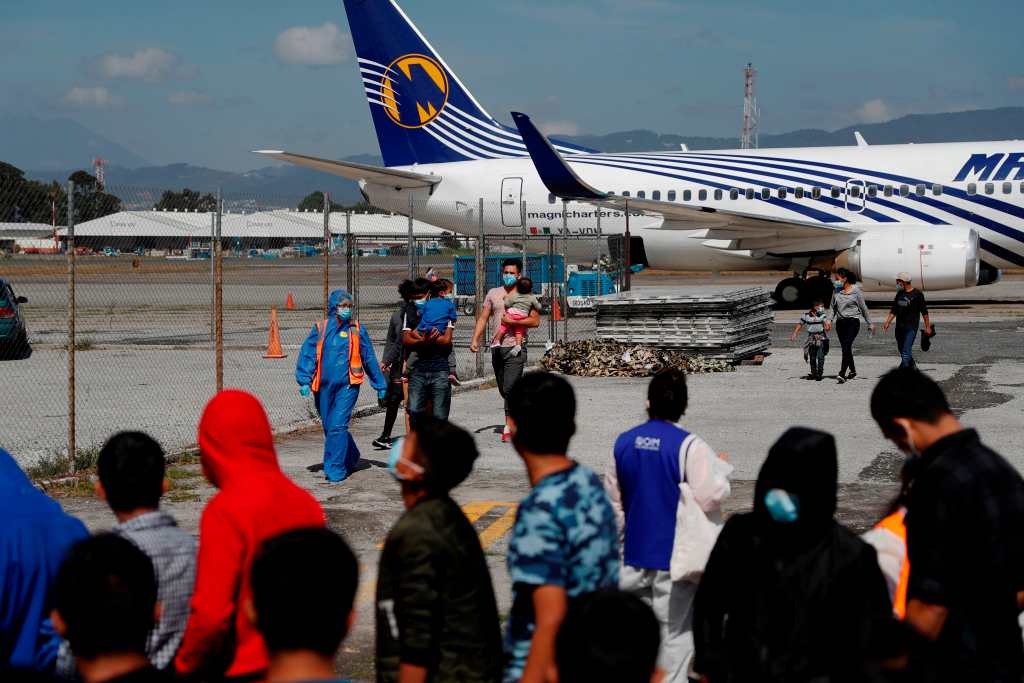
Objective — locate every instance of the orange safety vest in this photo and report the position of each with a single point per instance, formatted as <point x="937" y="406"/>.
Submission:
<point x="355" y="359"/>
<point x="896" y="525"/>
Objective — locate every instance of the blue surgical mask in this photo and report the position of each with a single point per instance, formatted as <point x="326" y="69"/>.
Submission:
<point x="837" y="284"/>
<point x="420" y="303"/>
<point x="345" y="312"/>
<point x="395" y="455"/>
<point x="782" y="506"/>
<point x="508" y="279"/>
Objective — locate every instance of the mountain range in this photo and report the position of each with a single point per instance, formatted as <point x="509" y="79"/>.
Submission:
<point x="53" y="149"/>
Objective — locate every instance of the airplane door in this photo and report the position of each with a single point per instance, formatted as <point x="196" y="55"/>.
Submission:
<point x="856" y="195"/>
<point x="511" y="198"/>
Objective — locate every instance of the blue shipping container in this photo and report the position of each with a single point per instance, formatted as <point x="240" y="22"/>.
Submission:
<point x="539" y="267"/>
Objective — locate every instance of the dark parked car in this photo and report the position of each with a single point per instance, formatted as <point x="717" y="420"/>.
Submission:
<point x="13" y="335"/>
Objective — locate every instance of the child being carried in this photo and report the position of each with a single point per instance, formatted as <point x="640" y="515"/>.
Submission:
<point x="519" y="303"/>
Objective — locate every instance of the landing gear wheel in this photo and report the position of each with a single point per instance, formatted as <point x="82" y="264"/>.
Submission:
<point x="789" y="293"/>
<point x="819" y="288"/>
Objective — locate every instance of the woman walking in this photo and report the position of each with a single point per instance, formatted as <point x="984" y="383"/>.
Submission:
<point x="848" y="309"/>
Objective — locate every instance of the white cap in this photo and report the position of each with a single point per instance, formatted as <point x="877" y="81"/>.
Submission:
<point x="904" y="276"/>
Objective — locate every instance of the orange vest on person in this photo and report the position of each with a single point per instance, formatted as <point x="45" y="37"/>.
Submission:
<point x="355" y="359"/>
<point x="896" y="525"/>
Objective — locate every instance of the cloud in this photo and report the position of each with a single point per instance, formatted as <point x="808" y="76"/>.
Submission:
<point x="150" y="64"/>
<point x="91" y="98"/>
<point x="188" y="98"/>
<point x="560" y="128"/>
<point x="1016" y="83"/>
<point x="873" y="111"/>
<point x="312" y="45"/>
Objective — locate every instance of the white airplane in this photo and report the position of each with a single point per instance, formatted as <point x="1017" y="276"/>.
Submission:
<point x="951" y="214"/>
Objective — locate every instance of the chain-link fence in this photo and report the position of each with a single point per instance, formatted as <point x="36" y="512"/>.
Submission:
<point x="132" y="314"/>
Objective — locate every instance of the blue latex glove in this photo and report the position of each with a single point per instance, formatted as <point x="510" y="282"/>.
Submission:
<point x="304" y="390"/>
<point x="382" y="394"/>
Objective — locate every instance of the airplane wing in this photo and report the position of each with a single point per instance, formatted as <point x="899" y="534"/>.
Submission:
<point x="353" y="171"/>
<point x="719" y="228"/>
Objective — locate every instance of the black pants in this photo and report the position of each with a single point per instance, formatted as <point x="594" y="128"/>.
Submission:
<point x="847" y="330"/>
<point x="392" y="401"/>
<point x="508" y="369"/>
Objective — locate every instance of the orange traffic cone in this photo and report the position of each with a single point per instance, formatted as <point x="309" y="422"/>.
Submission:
<point x="556" y="309"/>
<point x="274" y="342"/>
<point x="289" y="305"/>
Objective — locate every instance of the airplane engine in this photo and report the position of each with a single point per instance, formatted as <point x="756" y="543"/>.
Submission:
<point x="936" y="257"/>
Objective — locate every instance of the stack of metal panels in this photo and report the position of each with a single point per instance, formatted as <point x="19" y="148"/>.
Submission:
<point x="732" y="325"/>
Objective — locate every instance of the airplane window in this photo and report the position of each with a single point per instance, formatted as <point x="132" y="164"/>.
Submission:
<point x="641" y="194"/>
<point x="887" y="191"/>
<point x="766" y="193"/>
<point x="872" y="191"/>
<point x="656" y="194"/>
<point x="1007" y="188"/>
<point x="936" y="189"/>
<point x="816" y="192"/>
<point x="1022" y="188"/>
<point x="551" y="199"/>
<point x="687" y="195"/>
<point x="798" y="192"/>
<point x="718" y="194"/>
<point x="671" y="195"/>
<point x="904" y="190"/>
<point x="919" y="190"/>
<point x="972" y="189"/>
<point x="749" y="194"/>
<point x="989" y="188"/>
<point x="702" y="195"/>
<point x="625" y="193"/>
<point x="835" y="193"/>
<point x="855" y="191"/>
<point x="782" y="193"/>
<point x="734" y="193"/>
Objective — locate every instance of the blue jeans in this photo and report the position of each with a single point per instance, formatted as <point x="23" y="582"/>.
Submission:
<point x="433" y="386"/>
<point x="905" y="337"/>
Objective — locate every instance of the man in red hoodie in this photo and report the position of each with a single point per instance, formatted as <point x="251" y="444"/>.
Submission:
<point x="256" y="501"/>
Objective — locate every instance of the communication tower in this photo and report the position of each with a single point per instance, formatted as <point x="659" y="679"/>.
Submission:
<point x="98" y="163"/>
<point x="751" y="112"/>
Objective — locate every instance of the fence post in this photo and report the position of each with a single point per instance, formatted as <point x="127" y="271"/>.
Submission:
<point x="597" y="264"/>
<point x="218" y="296"/>
<point x="480" y="288"/>
<point x="213" y="276"/>
<point x="72" y="447"/>
<point x="551" y="289"/>
<point x="565" y="274"/>
<point x="412" y="241"/>
<point x="522" y="223"/>
<point x="350" y="283"/>
<point x="627" y="273"/>
<point x="327" y="250"/>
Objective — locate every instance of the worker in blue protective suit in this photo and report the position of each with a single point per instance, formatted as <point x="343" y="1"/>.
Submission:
<point x="35" y="534"/>
<point x="336" y="359"/>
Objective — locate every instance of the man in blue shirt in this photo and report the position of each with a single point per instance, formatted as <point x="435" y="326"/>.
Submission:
<point x="35" y="535"/>
<point x="651" y="462"/>
<point x="564" y="543"/>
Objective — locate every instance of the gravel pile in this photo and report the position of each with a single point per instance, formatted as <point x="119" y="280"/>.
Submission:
<point x="600" y="358"/>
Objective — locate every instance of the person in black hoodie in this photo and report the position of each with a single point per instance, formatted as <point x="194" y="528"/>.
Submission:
<point x="392" y="362"/>
<point x="789" y="594"/>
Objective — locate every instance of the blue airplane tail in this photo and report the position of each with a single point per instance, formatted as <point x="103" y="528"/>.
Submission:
<point x="422" y="112"/>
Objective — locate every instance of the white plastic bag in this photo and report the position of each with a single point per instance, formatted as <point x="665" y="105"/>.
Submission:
<point x="696" y="533"/>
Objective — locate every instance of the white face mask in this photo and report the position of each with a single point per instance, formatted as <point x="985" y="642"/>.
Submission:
<point x="910" y="450"/>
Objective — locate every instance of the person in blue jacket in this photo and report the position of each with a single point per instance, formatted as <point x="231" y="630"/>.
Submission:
<point x="35" y="535"/>
<point x="330" y="368"/>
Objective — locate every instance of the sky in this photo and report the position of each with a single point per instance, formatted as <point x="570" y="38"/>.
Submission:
<point x="206" y="81"/>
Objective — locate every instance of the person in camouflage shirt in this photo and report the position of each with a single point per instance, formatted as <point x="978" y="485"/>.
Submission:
<point x="437" y="619"/>
<point x="565" y="542"/>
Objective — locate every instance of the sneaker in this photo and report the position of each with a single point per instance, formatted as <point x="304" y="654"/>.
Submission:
<point x="453" y="379"/>
<point x="517" y="349"/>
<point x="818" y="377"/>
<point x="383" y="442"/>
<point x="841" y="378"/>
<point x="851" y="375"/>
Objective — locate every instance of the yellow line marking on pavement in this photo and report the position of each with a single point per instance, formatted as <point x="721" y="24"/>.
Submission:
<point x="499" y="527"/>
<point x="475" y="511"/>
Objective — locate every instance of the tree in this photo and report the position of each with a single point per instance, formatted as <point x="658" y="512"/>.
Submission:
<point x="186" y="200"/>
<point x="91" y="202"/>
<point x="314" y="201"/>
<point x="29" y="201"/>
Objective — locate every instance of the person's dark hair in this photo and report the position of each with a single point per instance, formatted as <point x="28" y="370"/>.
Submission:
<point x="524" y="286"/>
<point x="517" y="262"/>
<point x="440" y="286"/>
<point x="420" y="285"/>
<point x="131" y="469"/>
<point x="850" y="276"/>
<point x="406" y="289"/>
<point x="607" y="635"/>
<point x="908" y="393"/>
<point x="543" y="406"/>
<point x="304" y="584"/>
<point x="667" y="395"/>
<point x="105" y="593"/>
<point x="448" y="285"/>
<point x="445" y="451"/>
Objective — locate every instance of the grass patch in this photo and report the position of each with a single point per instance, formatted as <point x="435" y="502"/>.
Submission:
<point x="184" y="481"/>
<point x="76" y="487"/>
<point x="57" y="464"/>
<point x="84" y="344"/>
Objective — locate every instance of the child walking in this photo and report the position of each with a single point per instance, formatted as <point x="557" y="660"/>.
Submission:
<point x="518" y="305"/>
<point x="816" y="344"/>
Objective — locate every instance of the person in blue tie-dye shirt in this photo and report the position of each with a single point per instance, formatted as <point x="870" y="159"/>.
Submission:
<point x="565" y="542"/>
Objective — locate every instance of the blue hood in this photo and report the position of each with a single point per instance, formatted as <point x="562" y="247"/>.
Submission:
<point x="337" y="296"/>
